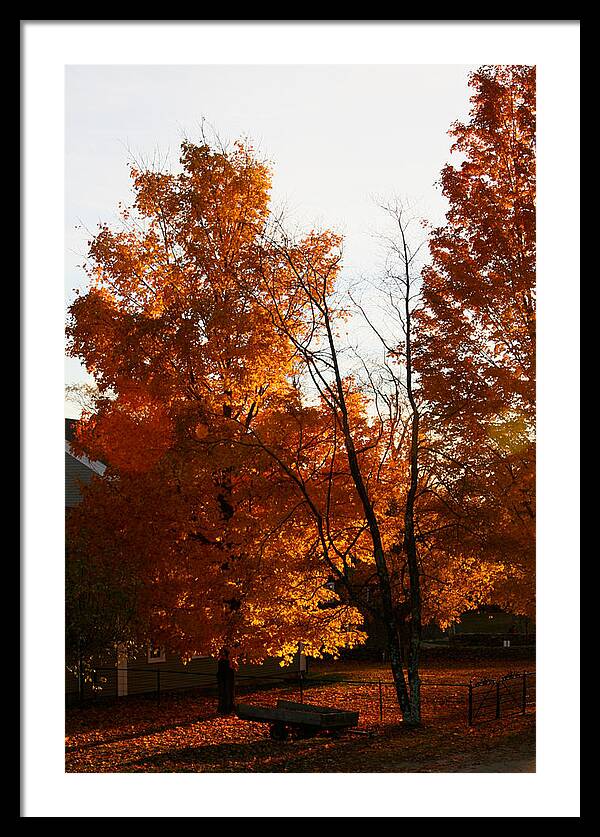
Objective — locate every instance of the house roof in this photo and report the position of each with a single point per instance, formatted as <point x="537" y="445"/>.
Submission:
<point x="78" y="469"/>
<point x="75" y="474"/>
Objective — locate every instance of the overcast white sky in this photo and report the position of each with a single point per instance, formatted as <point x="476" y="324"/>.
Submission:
<point x="338" y="136"/>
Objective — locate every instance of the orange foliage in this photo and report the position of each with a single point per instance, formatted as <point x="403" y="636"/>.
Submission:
<point x="475" y="347"/>
<point x="180" y="332"/>
<point x="228" y="500"/>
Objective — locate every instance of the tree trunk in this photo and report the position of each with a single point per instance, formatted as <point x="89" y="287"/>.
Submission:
<point x="385" y="588"/>
<point x="394" y="651"/>
<point x="80" y="677"/>
<point x="225" y="686"/>
<point x="413" y="716"/>
<point x="225" y="671"/>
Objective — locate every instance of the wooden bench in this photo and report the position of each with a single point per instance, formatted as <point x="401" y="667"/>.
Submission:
<point x="298" y="720"/>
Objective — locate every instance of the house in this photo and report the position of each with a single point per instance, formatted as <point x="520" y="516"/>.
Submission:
<point x="491" y="625"/>
<point x="78" y="469"/>
<point x="155" y="669"/>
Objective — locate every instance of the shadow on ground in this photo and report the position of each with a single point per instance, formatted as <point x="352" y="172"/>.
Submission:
<point x="258" y="756"/>
<point x="140" y="733"/>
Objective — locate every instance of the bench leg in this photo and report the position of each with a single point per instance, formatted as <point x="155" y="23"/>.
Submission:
<point x="279" y="731"/>
<point x="300" y="731"/>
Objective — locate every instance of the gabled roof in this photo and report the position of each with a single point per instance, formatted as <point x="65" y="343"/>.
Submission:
<point x="78" y="469"/>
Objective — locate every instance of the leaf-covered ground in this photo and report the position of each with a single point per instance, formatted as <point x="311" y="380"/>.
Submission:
<point x="184" y="734"/>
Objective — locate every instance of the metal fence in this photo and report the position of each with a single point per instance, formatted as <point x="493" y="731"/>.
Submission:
<point x="475" y="702"/>
<point x="490" y="700"/>
<point x="377" y="700"/>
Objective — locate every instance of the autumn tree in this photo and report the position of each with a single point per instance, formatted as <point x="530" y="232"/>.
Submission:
<point x="260" y="491"/>
<point x="353" y="443"/>
<point x="187" y="359"/>
<point x="363" y="490"/>
<point x="475" y="350"/>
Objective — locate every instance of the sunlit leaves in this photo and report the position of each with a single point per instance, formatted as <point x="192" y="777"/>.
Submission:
<point x="181" y="329"/>
<point x="475" y="346"/>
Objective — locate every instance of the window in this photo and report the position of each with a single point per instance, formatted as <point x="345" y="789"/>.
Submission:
<point x="156" y="654"/>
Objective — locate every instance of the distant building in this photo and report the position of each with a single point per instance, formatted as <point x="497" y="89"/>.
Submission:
<point x="78" y="469"/>
<point x="490" y="625"/>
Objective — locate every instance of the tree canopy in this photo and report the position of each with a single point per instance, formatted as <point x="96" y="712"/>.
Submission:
<point x="475" y="344"/>
<point x="178" y="330"/>
<point x="244" y="510"/>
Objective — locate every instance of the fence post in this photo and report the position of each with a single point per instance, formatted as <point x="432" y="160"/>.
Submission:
<point x="524" y="707"/>
<point x="301" y="689"/>
<point x="158" y="685"/>
<point x="380" y="702"/>
<point x="470" y="709"/>
<point x="497" y="699"/>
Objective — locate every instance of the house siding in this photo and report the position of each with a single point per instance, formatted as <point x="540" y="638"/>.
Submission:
<point x="75" y="474"/>
<point x="174" y="674"/>
<point x="143" y="677"/>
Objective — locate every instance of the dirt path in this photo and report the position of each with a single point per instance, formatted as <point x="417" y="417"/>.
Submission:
<point x="525" y="765"/>
<point x="519" y="758"/>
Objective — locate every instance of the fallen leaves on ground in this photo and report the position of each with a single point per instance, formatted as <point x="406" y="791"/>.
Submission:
<point x="184" y="734"/>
